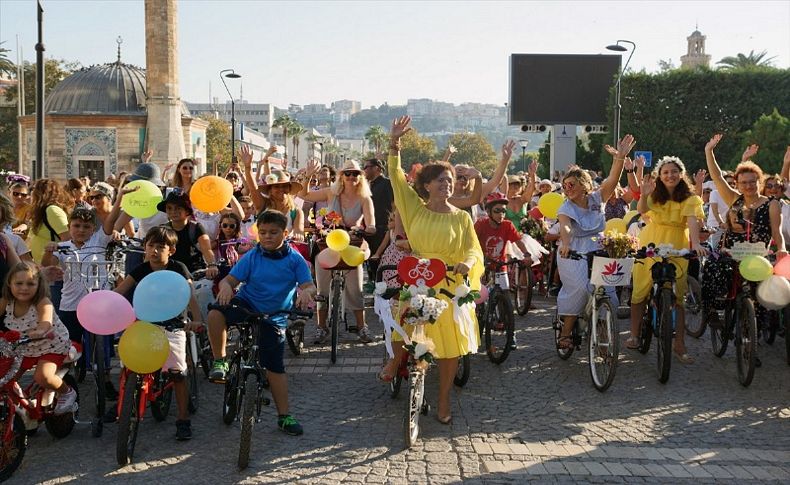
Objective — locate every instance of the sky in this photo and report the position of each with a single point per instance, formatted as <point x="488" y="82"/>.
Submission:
<point x="306" y="52"/>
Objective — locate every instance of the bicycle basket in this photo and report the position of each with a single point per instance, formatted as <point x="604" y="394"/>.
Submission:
<point x="611" y="271"/>
<point x="9" y="362"/>
<point x="355" y="241"/>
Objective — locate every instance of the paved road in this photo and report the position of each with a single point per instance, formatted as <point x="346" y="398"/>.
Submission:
<point x="534" y="418"/>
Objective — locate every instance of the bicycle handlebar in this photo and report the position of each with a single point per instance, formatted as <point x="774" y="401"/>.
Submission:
<point x="292" y="314"/>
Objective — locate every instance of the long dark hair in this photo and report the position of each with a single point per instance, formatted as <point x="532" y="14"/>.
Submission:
<point x="682" y="191"/>
<point x="429" y="172"/>
<point x="47" y="192"/>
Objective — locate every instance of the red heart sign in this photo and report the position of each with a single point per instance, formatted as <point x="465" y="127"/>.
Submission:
<point x="428" y="272"/>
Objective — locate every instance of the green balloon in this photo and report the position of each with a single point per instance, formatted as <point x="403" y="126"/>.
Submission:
<point x="755" y="268"/>
<point x="142" y="202"/>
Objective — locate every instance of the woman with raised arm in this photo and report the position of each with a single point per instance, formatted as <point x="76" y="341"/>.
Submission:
<point x="350" y="198"/>
<point x="676" y="216"/>
<point x="426" y="211"/>
<point x="752" y="217"/>
<point x="581" y="218"/>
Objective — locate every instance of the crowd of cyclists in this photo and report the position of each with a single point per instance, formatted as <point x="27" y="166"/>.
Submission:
<point x="442" y="211"/>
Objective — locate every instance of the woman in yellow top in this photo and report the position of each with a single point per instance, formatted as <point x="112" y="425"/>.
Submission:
<point x="675" y="214"/>
<point x="426" y="213"/>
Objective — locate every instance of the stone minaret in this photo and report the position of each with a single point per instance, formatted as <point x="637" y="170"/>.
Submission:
<point x="165" y="137"/>
<point x="696" y="56"/>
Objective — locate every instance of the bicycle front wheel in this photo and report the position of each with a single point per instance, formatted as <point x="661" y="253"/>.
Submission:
<point x="414" y="406"/>
<point x="664" y="341"/>
<point x="14" y="442"/>
<point x="464" y="367"/>
<point x="604" y="347"/>
<point x="499" y="327"/>
<point x="232" y="396"/>
<point x="334" y="318"/>
<point x="522" y="293"/>
<point x="128" y="420"/>
<point x="99" y="373"/>
<point x="646" y="330"/>
<point x="746" y="337"/>
<point x="720" y="334"/>
<point x="692" y="303"/>
<point x="247" y="418"/>
<point x="160" y="407"/>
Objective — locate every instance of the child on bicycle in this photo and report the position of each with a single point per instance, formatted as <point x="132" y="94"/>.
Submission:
<point x="263" y="292"/>
<point x="160" y="245"/>
<point x="28" y="310"/>
<point x="494" y="231"/>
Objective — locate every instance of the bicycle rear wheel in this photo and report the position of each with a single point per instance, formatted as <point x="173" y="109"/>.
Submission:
<point x="746" y="337"/>
<point x="128" y="420"/>
<point x="232" y="396"/>
<point x="522" y="289"/>
<point x="192" y="380"/>
<point x="604" y="346"/>
<point x="334" y="318"/>
<point x="250" y="398"/>
<point x="499" y="327"/>
<point x="414" y="406"/>
<point x="692" y="303"/>
<point x="664" y="342"/>
<point x="464" y="367"/>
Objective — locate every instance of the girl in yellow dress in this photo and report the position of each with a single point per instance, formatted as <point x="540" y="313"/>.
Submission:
<point x="438" y="230"/>
<point x="675" y="214"/>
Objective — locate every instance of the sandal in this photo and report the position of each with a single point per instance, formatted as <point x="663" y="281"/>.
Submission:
<point x="565" y="343"/>
<point x="684" y="358"/>
<point x="444" y="420"/>
<point x="632" y="343"/>
<point x="385" y="376"/>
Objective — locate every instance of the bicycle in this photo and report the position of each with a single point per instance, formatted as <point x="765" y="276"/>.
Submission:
<point x="597" y="324"/>
<point x="522" y="282"/>
<point x="660" y="314"/>
<point x="139" y="390"/>
<point x="495" y="317"/>
<point x="23" y="410"/>
<point x="246" y="379"/>
<point x="739" y="324"/>
<point x="97" y="268"/>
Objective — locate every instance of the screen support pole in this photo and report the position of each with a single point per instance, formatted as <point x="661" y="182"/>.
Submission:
<point x="563" y="147"/>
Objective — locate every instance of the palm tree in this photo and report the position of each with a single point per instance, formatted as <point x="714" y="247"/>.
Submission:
<point x="284" y="122"/>
<point x="297" y="131"/>
<point x="6" y="66"/>
<point x="376" y="136"/>
<point x="331" y="152"/>
<point x="312" y="139"/>
<point x="747" y="61"/>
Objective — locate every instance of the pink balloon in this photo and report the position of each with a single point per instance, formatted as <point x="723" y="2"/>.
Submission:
<point x="782" y="267"/>
<point x="483" y="295"/>
<point x="328" y="258"/>
<point x="105" y="312"/>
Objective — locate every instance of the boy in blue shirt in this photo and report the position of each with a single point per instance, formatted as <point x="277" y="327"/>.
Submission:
<point x="270" y="273"/>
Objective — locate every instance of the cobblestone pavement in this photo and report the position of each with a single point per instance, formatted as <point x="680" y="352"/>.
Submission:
<point x="534" y="418"/>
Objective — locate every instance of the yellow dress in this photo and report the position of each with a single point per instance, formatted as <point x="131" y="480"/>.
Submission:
<point x="668" y="225"/>
<point x="449" y="237"/>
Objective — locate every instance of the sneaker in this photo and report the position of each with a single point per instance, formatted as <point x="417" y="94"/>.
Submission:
<point x="364" y="336"/>
<point x="289" y="425"/>
<point x="218" y="371"/>
<point x="110" y="394"/>
<point x="66" y="402"/>
<point x="320" y="336"/>
<point x="183" y="429"/>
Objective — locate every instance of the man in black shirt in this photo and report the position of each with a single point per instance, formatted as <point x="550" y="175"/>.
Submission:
<point x="381" y="190"/>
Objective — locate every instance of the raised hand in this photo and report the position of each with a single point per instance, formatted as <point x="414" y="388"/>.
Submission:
<point x="750" y="151"/>
<point x="610" y="150"/>
<point x="313" y="166"/>
<point x="713" y="142"/>
<point x="147" y="155"/>
<point x="628" y="164"/>
<point x="507" y="149"/>
<point x="648" y="186"/>
<point x="640" y="161"/>
<point x="472" y="173"/>
<point x="624" y="146"/>
<point x="272" y="150"/>
<point x="400" y="126"/>
<point x="533" y="168"/>
<point x="246" y="157"/>
<point x="699" y="177"/>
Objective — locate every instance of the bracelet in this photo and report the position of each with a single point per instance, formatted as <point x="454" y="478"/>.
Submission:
<point x="627" y="170"/>
<point x="212" y="265"/>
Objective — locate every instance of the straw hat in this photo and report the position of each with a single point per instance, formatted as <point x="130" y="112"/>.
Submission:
<point x="351" y="166"/>
<point x="279" y="177"/>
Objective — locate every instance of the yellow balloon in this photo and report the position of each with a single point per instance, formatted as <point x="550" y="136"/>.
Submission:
<point x="143" y="347"/>
<point x="629" y="215"/>
<point x="252" y="232"/>
<point x="617" y="225"/>
<point x="755" y="268"/>
<point x="353" y="256"/>
<point x="142" y="202"/>
<point x="338" y="240"/>
<point x="550" y="203"/>
<point x="211" y="193"/>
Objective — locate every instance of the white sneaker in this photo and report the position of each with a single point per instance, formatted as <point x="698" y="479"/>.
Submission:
<point x="66" y="402"/>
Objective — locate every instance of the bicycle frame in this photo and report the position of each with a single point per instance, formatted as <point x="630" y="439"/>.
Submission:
<point x="148" y="391"/>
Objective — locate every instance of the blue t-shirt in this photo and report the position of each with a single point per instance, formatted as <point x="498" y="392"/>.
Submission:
<point x="269" y="283"/>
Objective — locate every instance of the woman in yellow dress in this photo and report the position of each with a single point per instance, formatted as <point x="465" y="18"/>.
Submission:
<point x="438" y="230"/>
<point x="675" y="214"/>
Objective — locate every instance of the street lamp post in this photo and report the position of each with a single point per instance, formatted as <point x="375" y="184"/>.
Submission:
<point x="231" y="74"/>
<point x="524" y="144"/>
<point x="619" y="48"/>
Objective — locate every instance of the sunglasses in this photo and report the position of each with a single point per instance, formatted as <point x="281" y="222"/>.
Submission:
<point x="568" y="186"/>
<point x="351" y="174"/>
<point x="499" y="211"/>
<point x="94" y="197"/>
<point x="20" y="194"/>
<point x="369" y="166"/>
<point x="773" y="186"/>
<point x="228" y="226"/>
<point x="187" y="168"/>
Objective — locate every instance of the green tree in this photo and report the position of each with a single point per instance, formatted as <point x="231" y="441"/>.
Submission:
<point x="284" y="122"/>
<point x="772" y="134"/>
<point x="475" y="150"/>
<point x="377" y="137"/>
<point x="297" y="130"/>
<point x="6" y="66"/>
<point x="217" y="145"/>
<point x="416" y="148"/>
<point x="749" y="61"/>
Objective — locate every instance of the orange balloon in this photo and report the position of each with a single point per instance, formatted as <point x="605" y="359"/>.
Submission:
<point x="211" y="193"/>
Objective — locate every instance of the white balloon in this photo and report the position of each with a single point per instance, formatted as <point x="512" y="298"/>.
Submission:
<point x="774" y="293"/>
